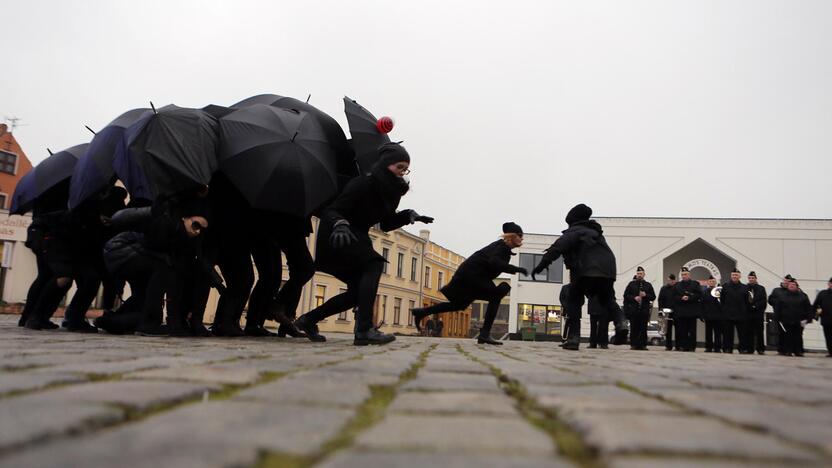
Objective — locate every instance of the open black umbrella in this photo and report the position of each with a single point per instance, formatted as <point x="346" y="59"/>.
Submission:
<point x="366" y="137"/>
<point x="279" y="159"/>
<point x="168" y="151"/>
<point x="94" y="171"/>
<point x="50" y="172"/>
<point x="333" y="131"/>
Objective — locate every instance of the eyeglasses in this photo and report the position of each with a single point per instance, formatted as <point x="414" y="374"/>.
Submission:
<point x="406" y="172"/>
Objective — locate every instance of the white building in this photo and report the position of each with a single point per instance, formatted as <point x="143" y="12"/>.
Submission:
<point x="769" y="247"/>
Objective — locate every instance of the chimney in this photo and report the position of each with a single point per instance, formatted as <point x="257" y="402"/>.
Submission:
<point x="425" y="234"/>
<point x="3" y="129"/>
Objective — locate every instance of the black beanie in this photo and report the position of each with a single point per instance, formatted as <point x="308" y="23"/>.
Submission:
<point x="579" y="212"/>
<point x="392" y="153"/>
<point x="512" y="228"/>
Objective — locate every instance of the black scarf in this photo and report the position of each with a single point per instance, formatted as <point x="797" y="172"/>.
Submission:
<point x="392" y="187"/>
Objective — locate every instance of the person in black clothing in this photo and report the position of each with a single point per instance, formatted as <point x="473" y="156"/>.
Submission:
<point x="430" y="326"/>
<point x="823" y="308"/>
<point x="756" y="325"/>
<point x="734" y="299"/>
<point x="474" y="279"/>
<point x="666" y="302"/>
<point x="591" y="265"/>
<point x="440" y="326"/>
<point x="687" y="299"/>
<point x="773" y="301"/>
<point x="599" y="324"/>
<point x="564" y="301"/>
<point x="792" y="312"/>
<point x="712" y="313"/>
<point x="344" y="248"/>
<point x="638" y="298"/>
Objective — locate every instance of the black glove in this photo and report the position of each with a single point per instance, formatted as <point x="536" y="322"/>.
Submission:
<point x="523" y="271"/>
<point x="341" y="235"/>
<point x="414" y="216"/>
<point x="539" y="269"/>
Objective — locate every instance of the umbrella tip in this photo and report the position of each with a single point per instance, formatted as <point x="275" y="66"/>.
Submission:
<point x="308" y="97"/>
<point x="91" y="130"/>
<point x="153" y="107"/>
<point x="293" y="136"/>
<point x="49" y="151"/>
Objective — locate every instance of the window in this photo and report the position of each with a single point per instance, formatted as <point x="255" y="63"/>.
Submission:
<point x="414" y="264"/>
<point x="8" y="162"/>
<point x="411" y="305"/>
<point x="343" y="314"/>
<point x="397" y="311"/>
<point x="2" y="201"/>
<point x="553" y="275"/>
<point x="385" y="252"/>
<point x="320" y="295"/>
<point x="544" y="318"/>
<point x="400" y="266"/>
<point x="427" y="276"/>
<point x="440" y="279"/>
<point x="383" y="309"/>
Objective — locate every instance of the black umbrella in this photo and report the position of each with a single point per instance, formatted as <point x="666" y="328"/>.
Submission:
<point x="49" y="173"/>
<point x="333" y="131"/>
<point x="279" y="159"/>
<point x="366" y="137"/>
<point x="94" y="171"/>
<point x="168" y="151"/>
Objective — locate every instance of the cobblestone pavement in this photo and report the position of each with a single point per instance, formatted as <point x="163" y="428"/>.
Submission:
<point x="69" y="400"/>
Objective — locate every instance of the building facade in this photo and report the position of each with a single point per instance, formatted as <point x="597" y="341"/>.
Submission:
<point x="440" y="264"/>
<point x="770" y="247"/>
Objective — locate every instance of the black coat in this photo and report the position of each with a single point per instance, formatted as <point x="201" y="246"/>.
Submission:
<point x="793" y="307"/>
<point x="758" y="303"/>
<point x="364" y="203"/>
<point x="564" y="297"/>
<point x="775" y="296"/>
<point x="585" y="251"/>
<point x="474" y="279"/>
<point x="824" y="302"/>
<point x="596" y="308"/>
<point x="734" y="301"/>
<point x="631" y="306"/>
<point x="711" y="308"/>
<point x="666" y="297"/>
<point x="692" y="308"/>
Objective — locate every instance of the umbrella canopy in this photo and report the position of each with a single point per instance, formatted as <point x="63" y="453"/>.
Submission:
<point x="279" y="159"/>
<point x="333" y="131"/>
<point x="366" y="138"/>
<point x="94" y="171"/>
<point x="50" y="172"/>
<point x="168" y="151"/>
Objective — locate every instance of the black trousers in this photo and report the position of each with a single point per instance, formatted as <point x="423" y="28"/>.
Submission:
<point x="235" y="264"/>
<point x="494" y="299"/>
<point x="130" y="314"/>
<point x="827" y="333"/>
<point x="793" y="338"/>
<point x="728" y="335"/>
<point x="599" y="326"/>
<point x="686" y="333"/>
<point x="638" y="329"/>
<point x="36" y="288"/>
<point x="713" y="334"/>
<point x="154" y="279"/>
<point x="587" y="287"/>
<point x="668" y="337"/>
<point x="268" y="293"/>
<point x="756" y="331"/>
<point x="360" y="293"/>
<point x="88" y="280"/>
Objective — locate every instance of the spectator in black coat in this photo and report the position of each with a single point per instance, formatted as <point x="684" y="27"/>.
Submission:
<point x="757" y="315"/>
<point x="344" y="248"/>
<point x="474" y="279"/>
<point x="666" y="302"/>
<point x="638" y="299"/>
<point x="712" y="313"/>
<point x="599" y="324"/>
<point x="687" y="300"/>
<point x="773" y="301"/>
<point x="823" y="308"/>
<point x="736" y="306"/>
<point x="591" y="265"/>
<point x="793" y="311"/>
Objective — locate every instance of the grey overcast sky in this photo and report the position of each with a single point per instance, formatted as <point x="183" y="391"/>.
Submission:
<point x="510" y="110"/>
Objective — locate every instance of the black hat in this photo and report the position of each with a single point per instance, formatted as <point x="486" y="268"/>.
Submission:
<point x="639" y="269"/>
<point x="735" y="271"/>
<point x="830" y="280"/>
<point x="391" y="153"/>
<point x="788" y="277"/>
<point x="512" y="228"/>
<point x="710" y="277"/>
<point x="579" y="212"/>
<point x="751" y="273"/>
<point x="671" y="277"/>
<point x="685" y="269"/>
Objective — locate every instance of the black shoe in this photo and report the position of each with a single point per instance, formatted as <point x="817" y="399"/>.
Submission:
<point x="592" y="346"/>
<point x="486" y="339"/>
<point x="798" y="354"/>
<point x="620" y="337"/>
<point x="761" y="352"/>
<point x="227" y="330"/>
<point x="310" y="329"/>
<point x="21" y="322"/>
<point x="41" y="325"/>
<point x="179" y="331"/>
<point x="571" y="346"/>
<point x="80" y="327"/>
<point x="158" y="330"/>
<point x="288" y="329"/>
<point x="258" y="331"/>
<point x="199" y="330"/>
<point x="418" y="316"/>
<point x="708" y="350"/>
<point x="372" y="337"/>
<point x="603" y="346"/>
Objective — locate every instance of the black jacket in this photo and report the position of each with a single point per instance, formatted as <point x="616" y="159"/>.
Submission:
<point x="366" y="201"/>
<point x="775" y="296"/>
<point x="631" y="306"/>
<point x="793" y="307"/>
<point x="758" y="302"/>
<point x="711" y="308"/>
<point x="474" y="279"/>
<point x="666" y="297"/>
<point x="734" y="301"/>
<point x="824" y="302"/>
<point x="585" y="251"/>
<point x="596" y="308"/>
<point x="564" y="297"/>
<point x="692" y="308"/>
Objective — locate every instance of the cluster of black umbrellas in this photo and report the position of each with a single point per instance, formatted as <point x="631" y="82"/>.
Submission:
<point x="282" y="154"/>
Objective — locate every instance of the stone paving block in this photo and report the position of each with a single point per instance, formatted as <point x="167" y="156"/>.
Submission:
<point x="453" y="403"/>
<point x="19" y="381"/>
<point x="502" y="435"/>
<point x="120" y="367"/>
<point x="213" y="434"/>
<point x="694" y="462"/>
<point x="138" y="394"/>
<point x="314" y="389"/>
<point x="355" y="459"/>
<point x="442" y="381"/>
<point x="29" y="418"/>
<point x="596" y="398"/>
<point x="460" y="365"/>
<point x="223" y="374"/>
<point x="670" y="433"/>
